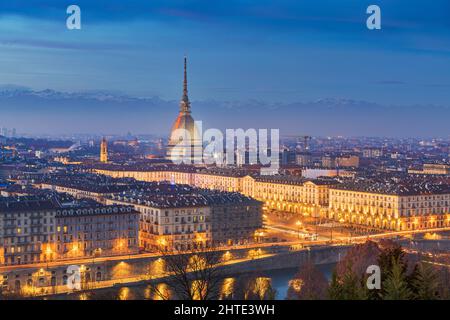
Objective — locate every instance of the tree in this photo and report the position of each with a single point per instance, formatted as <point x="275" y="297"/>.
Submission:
<point x="308" y="284"/>
<point x="391" y="252"/>
<point x="359" y="258"/>
<point x="353" y="287"/>
<point x="425" y="282"/>
<point x="192" y="274"/>
<point x="348" y="286"/>
<point x="444" y="283"/>
<point x="334" y="289"/>
<point x="395" y="285"/>
<point x="444" y="279"/>
<point x="350" y="278"/>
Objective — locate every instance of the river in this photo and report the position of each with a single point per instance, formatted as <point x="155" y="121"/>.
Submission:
<point x="278" y="278"/>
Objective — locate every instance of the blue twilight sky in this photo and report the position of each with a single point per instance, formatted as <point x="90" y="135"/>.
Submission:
<point x="275" y="50"/>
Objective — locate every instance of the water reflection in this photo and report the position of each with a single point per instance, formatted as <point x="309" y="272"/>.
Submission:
<point x="199" y="289"/>
<point x="271" y="284"/>
<point x="259" y="288"/>
<point x="159" y="292"/>
<point x="84" y="296"/>
<point x="124" y="294"/>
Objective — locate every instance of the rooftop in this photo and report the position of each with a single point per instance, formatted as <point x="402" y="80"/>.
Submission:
<point x="295" y="180"/>
<point x="392" y="188"/>
<point x="94" y="210"/>
<point x="193" y="198"/>
<point x="34" y="204"/>
<point x="11" y="205"/>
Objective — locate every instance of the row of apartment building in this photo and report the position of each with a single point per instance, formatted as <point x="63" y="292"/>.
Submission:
<point x="287" y="193"/>
<point x="41" y="230"/>
<point x="394" y="207"/>
<point x="402" y="205"/>
<point x="143" y="215"/>
<point x="179" y="220"/>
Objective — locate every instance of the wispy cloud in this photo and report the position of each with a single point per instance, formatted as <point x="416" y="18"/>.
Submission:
<point x="61" y="45"/>
<point x="391" y="82"/>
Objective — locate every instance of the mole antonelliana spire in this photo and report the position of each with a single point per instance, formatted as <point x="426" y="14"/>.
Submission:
<point x="184" y="140"/>
<point x="185" y="105"/>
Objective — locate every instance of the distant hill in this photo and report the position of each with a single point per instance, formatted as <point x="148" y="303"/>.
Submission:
<point x="50" y="111"/>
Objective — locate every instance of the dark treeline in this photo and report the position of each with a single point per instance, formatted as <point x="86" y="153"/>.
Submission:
<point x="403" y="276"/>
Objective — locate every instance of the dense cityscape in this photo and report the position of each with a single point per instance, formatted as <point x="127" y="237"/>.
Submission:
<point x="122" y="209"/>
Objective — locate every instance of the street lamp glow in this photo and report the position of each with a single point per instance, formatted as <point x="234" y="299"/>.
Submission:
<point x="162" y="242"/>
<point x="48" y="250"/>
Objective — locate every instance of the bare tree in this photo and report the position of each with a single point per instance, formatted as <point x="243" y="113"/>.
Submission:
<point x="194" y="274"/>
<point x="308" y="284"/>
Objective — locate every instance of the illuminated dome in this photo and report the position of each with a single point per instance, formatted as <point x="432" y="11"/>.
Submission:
<point x="186" y="122"/>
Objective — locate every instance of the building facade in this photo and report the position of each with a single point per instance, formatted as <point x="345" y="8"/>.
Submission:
<point x="34" y="231"/>
<point x="96" y="231"/>
<point x="290" y="194"/>
<point x="287" y="193"/>
<point x="26" y="229"/>
<point x="393" y="209"/>
<point x="325" y="197"/>
<point x="182" y="219"/>
<point x="179" y="225"/>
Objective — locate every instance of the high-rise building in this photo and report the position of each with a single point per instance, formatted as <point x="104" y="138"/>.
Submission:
<point x="185" y="143"/>
<point x="104" y="151"/>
